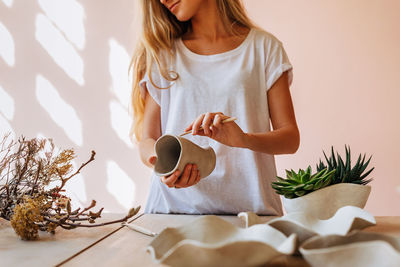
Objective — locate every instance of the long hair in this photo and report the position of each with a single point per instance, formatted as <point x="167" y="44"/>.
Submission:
<point x="159" y="30"/>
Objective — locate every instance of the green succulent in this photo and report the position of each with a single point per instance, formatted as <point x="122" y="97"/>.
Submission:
<point x="303" y="182"/>
<point x="344" y="172"/>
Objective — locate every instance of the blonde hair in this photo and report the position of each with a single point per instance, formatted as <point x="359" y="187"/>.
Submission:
<point x="159" y="29"/>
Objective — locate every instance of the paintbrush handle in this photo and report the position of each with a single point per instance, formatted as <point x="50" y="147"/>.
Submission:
<point x="224" y="121"/>
<point x="139" y="229"/>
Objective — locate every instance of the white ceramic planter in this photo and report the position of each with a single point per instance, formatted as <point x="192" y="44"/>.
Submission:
<point x="212" y="241"/>
<point x="174" y="152"/>
<point x="358" y="249"/>
<point x="324" y="203"/>
<point x="345" y="220"/>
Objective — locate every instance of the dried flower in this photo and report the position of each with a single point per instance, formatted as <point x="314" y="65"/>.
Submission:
<point x="26" y="169"/>
<point x="26" y="218"/>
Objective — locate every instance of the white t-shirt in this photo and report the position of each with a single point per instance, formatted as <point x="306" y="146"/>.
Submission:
<point x="234" y="83"/>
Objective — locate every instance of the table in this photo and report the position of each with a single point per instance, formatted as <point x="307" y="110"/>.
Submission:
<point x="50" y="250"/>
<point x="114" y="245"/>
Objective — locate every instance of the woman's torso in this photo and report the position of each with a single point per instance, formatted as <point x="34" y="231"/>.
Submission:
<point x="234" y="83"/>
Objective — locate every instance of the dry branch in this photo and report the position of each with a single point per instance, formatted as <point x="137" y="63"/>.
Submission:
<point x="26" y="169"/>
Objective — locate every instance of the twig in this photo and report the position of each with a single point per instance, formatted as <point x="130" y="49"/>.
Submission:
<point x="63" y="181"/>
<point x="88" y="225"/>
<point x="88" y="208"/>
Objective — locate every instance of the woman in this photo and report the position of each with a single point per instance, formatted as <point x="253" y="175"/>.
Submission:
<point x="197" y="63"/>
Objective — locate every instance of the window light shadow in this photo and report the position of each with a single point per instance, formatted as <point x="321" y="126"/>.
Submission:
<point x="120" y="122"/>
<point x="68" y="16"/>
<point x="62" y="113"/>
<point x="7" y="46"/>
<point x="120" y="185"/>
<point x="118" y="66"/>
<point x="63" y="53"/>
<point x="6" y="128"/>
<point x="8" y="3"/>
<point x="6" y="104"/>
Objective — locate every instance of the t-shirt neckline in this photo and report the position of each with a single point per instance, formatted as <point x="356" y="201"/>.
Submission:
<point x="228" y="53"/>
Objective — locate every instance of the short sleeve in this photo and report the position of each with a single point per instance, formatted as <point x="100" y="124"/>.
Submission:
<point x="277" y="63"/>
<point x="151" y="89"/>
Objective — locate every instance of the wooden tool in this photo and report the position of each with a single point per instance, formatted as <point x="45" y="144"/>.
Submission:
<point x="223" y="121"/>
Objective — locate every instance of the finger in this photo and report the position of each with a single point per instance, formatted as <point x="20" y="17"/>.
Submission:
<point x="197" y="124"/>
<point x="183" y="180"/>
<point x="197" y="178"/>
<point x="189" y="128"/>
<point x="217" y="120"/>
<point x="207" y="121"/>
<point x="193" y="175"/>
<point x="170" y="180"/>
<point x="214" y="131"/>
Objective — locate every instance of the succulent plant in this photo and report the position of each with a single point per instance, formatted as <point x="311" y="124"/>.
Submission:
<point x="344" y="172"/>
<point x="303" y="182"/>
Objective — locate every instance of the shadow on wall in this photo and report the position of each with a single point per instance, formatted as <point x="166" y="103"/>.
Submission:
<point x="64" y="67"/>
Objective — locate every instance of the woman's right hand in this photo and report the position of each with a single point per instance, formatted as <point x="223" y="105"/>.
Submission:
<point x="189" y="177"/>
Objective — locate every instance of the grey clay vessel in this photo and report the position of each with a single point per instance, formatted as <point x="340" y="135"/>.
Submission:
<point x="174" y="152"/>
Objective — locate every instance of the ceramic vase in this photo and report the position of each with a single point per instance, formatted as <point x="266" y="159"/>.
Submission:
<point x="212" y="241"/>
<point x="358" y="249"/>
<point x="324" y="203"/>
<point x="174" y="152"/>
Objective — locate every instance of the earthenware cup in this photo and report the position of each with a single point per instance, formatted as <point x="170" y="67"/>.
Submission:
<point x="174" y="152"/>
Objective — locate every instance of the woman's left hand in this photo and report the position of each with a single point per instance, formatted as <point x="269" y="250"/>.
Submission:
<point x="229" y="133"/>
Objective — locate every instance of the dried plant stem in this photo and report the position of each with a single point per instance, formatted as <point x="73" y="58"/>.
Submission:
<point x="65" y="180"/>
<point x="93" y="204"/>
<point x="27" y="167"/>
<point x="86" y="225"/>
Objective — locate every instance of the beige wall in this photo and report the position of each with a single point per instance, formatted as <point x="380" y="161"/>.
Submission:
<point x="346" y="83"/>
<point x="66" y="79"/>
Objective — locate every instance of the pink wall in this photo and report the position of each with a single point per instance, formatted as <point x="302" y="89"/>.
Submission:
<point x="66" y="79"/>
<point x="346" y="83"/>
<point x="64" y="70"/>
